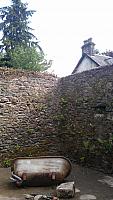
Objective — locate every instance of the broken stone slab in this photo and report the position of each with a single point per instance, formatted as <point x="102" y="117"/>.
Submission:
<point x="40" y="197"/>
<point x="28" y="197"/>
<point x="66" y="190"/>
<point x="44" y="197"/>
<point x="77" y="194"/>
<point x="87" y="197"/>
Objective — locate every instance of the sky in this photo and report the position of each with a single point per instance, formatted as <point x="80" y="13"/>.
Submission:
<point x="61" y="26"/>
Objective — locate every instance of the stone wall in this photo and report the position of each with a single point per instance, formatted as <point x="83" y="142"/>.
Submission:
<point x="25" y="103"/>
<point x="85" y="117"/>
<point x="71" y="116"/>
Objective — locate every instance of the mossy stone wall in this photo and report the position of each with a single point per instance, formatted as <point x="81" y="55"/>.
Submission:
<point x="26" y="127"/>
<point x="43" y="115"/>
<point x="85" y="117"/>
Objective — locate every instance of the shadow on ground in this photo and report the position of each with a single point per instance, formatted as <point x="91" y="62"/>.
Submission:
<point x="90" y="182"/>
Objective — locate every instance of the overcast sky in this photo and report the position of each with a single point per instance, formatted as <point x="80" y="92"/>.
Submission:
<point x="62" y="25"/>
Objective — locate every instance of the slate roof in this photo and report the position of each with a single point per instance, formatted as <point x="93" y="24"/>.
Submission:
<point x="100" y="60"/>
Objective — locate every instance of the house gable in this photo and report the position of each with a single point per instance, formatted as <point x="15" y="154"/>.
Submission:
<point x="84" y="64"/>
<point x="91" y="59"/>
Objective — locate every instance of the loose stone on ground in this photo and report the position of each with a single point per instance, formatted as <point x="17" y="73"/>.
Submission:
<point x="87" y="197"/>
<point x="66" y="190"/>
<point x="29" y="197"/>
<point x="77" y="193"/>
<point x="40" y="197"/>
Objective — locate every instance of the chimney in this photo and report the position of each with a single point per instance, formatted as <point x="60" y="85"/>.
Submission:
<point x="88" y="47"/>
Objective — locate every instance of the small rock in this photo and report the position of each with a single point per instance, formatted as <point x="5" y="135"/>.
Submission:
<point x="28" y="196"/>
<point x="66" y="190"/>
<point x="44" y="197"/>
<point x="55" y="198"/>
<point x="4" y="100"/>
<point x="1" y="105"/>
<point x="108" y="180"/>
<point x="77" y="193"/>
<point x="87" y="197"/>
<point x="40" y="197"/>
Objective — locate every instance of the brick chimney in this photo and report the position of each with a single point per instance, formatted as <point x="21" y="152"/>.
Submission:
<point x="88" y="47"/>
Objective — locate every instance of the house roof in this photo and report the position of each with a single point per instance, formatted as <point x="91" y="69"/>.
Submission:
<point x="100" y="60"/>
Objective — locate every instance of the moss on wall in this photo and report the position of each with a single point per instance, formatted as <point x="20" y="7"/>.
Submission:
<point x="26" y="127"/>
<point x="85" y="117"/>
<point x="71" y="116"/>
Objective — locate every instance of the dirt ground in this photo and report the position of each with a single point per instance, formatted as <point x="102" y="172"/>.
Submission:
<point x="90" y="182"/>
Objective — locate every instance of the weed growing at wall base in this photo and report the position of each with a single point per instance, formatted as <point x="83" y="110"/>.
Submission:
<point x="7" y="163"/>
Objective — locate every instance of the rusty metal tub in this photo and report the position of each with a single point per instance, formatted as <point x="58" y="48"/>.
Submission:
<point x="43" y="170"/>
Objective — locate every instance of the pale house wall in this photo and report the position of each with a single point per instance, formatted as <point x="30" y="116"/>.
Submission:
<point x="86" y="64"/>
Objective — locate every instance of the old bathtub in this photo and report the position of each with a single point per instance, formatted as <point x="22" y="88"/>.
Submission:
<point x="43" y="170"/>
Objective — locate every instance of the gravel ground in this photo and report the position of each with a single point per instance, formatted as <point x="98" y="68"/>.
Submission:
<point x="92" y="185"/>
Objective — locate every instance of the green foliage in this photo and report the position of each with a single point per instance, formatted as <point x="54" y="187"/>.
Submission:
<point x="17" y="147"/>
<point x="19" y="46"/>
<point x="86" y="144"/>
<point x="14" y="26"/>
<point x="97" y="146"/>
<point x="30" y="131"/>
<point x="7" y="163"/>
<point x="28" y="58"/>
<point x="106" y="144"/>
<point x="63" y="101"/>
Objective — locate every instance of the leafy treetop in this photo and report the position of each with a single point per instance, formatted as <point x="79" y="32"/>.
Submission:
<point x="15" y="26"/>
<point x="18" y="45"/>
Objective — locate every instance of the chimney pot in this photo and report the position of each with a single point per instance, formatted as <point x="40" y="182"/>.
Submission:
<point x="88" y="47"/>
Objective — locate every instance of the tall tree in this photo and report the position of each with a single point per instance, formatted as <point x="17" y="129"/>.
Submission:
<point x="15" y="26"/>
<point x="18" y="45"/>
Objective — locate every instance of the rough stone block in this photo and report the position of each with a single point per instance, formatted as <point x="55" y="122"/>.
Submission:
<point x="87" y="197"/>
<point x="77" y="194"/>
<point x="29" y="197"/>
<point x="66" y="190"/>
<point x="44" y="197"/>
<point x="40" y="197"/>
